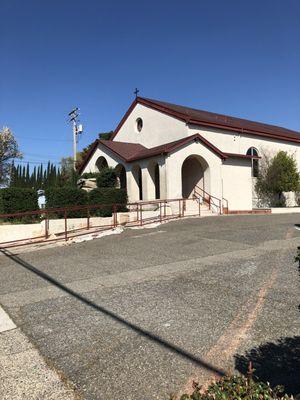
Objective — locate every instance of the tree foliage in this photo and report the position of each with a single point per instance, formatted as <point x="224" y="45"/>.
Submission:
<point x="107" y="177"/>
<point x="69" y="176"/>
<point x="38" y="178"/>
<point x="43" y="178"/>
<point x="83" y="153"/>
<point x="277" y="175"/>
<point x="9" y="150"/>
<point x="108" y="196"/>
<point x="66" y="196"/>
<point x="13" y="200"/>
<point x="105" y="135"/>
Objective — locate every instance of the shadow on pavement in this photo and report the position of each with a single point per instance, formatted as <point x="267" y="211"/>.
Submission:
<point x="142" y="332"/>
<point x="277" y="363"/>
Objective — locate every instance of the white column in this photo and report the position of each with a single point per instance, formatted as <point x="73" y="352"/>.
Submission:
<point x="147" y="185"/>
<point x="162" y="179"/>
<point x="173" y="177"/>
<point x="132" y="187"/>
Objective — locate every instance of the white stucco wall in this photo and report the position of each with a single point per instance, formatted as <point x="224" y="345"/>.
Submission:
<point x="174" y="163"/>
<point x="111" y="158"/>
<point x="132" y="185"/>
<point x="237" y="183"/>
<point x="233" y="142"/>
<point x="158" y="128"/>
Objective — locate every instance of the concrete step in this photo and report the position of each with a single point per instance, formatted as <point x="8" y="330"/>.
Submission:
<point x="192" y="208"/>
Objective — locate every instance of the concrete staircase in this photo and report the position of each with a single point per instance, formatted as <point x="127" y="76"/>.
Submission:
<point x="192" y="208"/>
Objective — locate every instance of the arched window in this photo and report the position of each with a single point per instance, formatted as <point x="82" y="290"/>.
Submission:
<point x="254" y="161"/>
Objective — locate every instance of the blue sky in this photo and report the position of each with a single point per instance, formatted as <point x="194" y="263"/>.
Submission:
<point x="235" y="57"/>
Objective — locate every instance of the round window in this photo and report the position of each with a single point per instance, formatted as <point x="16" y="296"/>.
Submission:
<point x="139" y="124"/>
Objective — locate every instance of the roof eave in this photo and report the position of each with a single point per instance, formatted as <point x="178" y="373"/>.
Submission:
<point x="244" y="131"/>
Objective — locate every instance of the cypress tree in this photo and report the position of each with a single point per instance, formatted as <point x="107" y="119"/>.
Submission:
<point x="27" y="178"/>
<point x="17" y="177"/>
<point x="13" y="175"/>
<point x="23" y="179"/>
<point x="33" y="178"/>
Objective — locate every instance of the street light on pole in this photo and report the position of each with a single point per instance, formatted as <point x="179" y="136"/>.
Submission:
<point x="77" y="130"/>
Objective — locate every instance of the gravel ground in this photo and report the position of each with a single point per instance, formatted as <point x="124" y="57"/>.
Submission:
<point x="143" y="313"/>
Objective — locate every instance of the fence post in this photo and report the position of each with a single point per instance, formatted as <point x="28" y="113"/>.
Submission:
<point x="160" y="211"/>
<point x="88" y="218"/>
<point x="115" y="215"/>
<point x="141" y="215"/>
<point x="199" y="202"/>
<point x="179" y="208"/>
<point x="46" y="226"/>
<point x="66" y="225"/>
<point x="183" y="207"/>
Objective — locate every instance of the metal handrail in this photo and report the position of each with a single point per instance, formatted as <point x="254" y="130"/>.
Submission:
<point x="67" y="232"/>
<point x="45" y="211"/>
<point x="211" y="199"/>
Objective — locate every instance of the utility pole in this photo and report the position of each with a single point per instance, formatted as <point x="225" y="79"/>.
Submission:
<point x="77" y="130"/>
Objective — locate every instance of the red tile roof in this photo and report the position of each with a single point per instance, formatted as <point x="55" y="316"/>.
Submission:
<point x="130" y="152"/>
<point x="122" y="149"/>
<point x="205" y="118"/>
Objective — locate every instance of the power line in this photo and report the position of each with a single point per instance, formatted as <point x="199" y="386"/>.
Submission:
<point x="44" y="139"/>
<point x="42" y="155"/>
<point x="36" y="162"/>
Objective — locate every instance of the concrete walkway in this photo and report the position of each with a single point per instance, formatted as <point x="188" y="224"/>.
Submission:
<point x="146" y="312"/>
<point x="24" y="373"/>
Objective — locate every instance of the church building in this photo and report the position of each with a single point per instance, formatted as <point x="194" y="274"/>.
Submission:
<point x="166" y="151"/>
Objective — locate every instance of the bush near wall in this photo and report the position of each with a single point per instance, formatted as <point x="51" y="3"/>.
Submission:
<point x="66" y="197"/>
<point x="108" y="196"/>
<point x="107" y="178"/>
<point x="13" y="200"/>
<point x="88" y="175"/>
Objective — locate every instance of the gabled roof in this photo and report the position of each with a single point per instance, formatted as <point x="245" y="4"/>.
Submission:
<point x="130" y="152"/>
<point x="209" y="119"/>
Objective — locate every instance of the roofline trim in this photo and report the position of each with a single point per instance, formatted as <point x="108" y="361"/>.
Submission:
<point x="187" y="120"/>
<point x="164" y="150"/>
<point x="87" y="157"/>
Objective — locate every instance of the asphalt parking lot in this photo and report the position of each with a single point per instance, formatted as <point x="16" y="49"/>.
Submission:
<point x="144" y="313"/>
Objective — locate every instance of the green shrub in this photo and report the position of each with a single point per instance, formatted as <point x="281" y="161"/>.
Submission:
<point x="66" y="197"/>
<point x="13" y="200"/>
<point x="88" y="175"/>
<point x="237" y="387"/>
<point x="1" y="204"/>
<point x="278" y="202"/>
<point x="108" y="196"/>
<point x="107" y="178"/>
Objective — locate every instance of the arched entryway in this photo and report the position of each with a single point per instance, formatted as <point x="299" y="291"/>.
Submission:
<point x="194" y="172"/>
<point x="121" y="175"/>
<point x="101" y="163"/>
<point x="154" y="184"/>
<point x="137" y="187"/>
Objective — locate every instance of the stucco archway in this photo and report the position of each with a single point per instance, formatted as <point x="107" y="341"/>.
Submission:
<point x="121" y="175"/>
<point x="194" y="172"/>
<point x="101" y="163"/>
<point x="137" y="185"/>
<point x="154" y="184"/>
